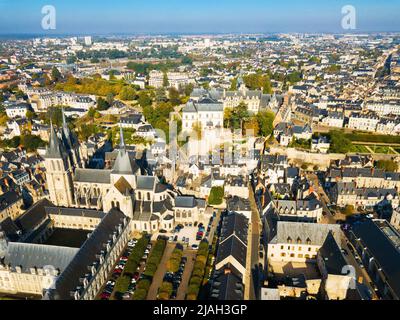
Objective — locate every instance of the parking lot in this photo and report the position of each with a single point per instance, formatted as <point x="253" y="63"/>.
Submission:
<point x="109" y="290"/>
<point x="187" y="234"/>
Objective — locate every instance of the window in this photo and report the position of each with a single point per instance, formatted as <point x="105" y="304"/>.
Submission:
<point x="283" y="254"/>
<point x="300" y="255"/>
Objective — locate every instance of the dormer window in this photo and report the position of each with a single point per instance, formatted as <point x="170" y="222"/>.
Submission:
<point x="289" y="240"/>
<point x="308" y="241"/>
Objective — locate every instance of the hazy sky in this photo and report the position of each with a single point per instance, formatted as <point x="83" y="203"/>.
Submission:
<point x="199" y="16"/>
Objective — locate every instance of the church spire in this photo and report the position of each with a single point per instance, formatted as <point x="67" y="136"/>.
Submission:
<point x="64" y="123"/>
<point x="53" y="149"/>
<point x="121" y="136"/>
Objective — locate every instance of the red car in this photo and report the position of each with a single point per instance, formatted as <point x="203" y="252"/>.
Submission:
<point x="105" y="296"/>
<point x="136" y="276"/>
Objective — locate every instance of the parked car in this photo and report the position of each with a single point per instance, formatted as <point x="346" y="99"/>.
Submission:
<point x="195" y="246"/>
<point x="135" y="276"/>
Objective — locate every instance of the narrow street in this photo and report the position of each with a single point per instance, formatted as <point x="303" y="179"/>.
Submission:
<point x="328" y="218"/>
<point x="253" y="251"/>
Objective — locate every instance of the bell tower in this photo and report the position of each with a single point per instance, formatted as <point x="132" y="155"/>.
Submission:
<point x="58" y="172"/>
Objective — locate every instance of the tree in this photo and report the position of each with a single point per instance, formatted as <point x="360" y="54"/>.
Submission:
<point x="187" y="60"/>
<point x="102" y="104"/>
<point x="349" y="210"/>
<point x="188" y="89"/>
<point x="31" y="142"/>
<point x="234" y="83"/>
<point x="110" y="98"/>
<point x="387" y="165"/>
<point x="160" y="95"/>
<point x="252" y="127"/>
<point x="234" y="118"/>
<point x="216" y="196"/>
<point x="30" y="114"/>
<point x="55" y="115"/>
<point x="55" y="74"/>
<point x="267" y="87"/>
<point x="165" y="80"/>
<point x="71" y="59"/>
<point x="127" y="93"/>
<point x="174" y="96"/>
<point x="144" y="100"/>
<point x="265" y="122"/>
<point x="339" y="142"/>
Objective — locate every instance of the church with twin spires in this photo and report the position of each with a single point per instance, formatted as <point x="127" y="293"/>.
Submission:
<point x="143" y="198"/>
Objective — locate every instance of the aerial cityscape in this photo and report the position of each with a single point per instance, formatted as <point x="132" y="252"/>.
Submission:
<point x="181" y="164"/>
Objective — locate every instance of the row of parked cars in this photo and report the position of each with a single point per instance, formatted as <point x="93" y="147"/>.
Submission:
<point x="176" y="278"/>
<point x="118" y="269"/>
<point x="137" y="275"/>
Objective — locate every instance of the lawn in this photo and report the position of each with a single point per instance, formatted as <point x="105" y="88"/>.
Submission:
<point x="360" y="149"/>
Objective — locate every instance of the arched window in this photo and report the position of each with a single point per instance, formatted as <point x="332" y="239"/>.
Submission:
<point x="148" y="196"/>
<point x="308" y="241"/>
<point x="118" y="204"/>
<point x="139" y="195"/>
<point x="112" y="204"/>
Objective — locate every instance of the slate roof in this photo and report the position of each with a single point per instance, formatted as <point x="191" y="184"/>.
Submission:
<point x="232" y="247"/>
<point x="69" y="280"/>
<point x="29" y="255"/>
<point x="145" y="182"/>
<point x="8" y="198"/>
<point x="332" y="256"/>
<point x="316" y="233"/>
<point x="74" y="212"/>
<point x="380" y="246"/>
<point x="34" y="216"/>
<point x="234" y="224"/>
<point x="10" y="229"/>
<point x="238" y="204"/>
<point x="92" y="175"/>
<point x="185" y="202"/>
<point x="227" y="286"/>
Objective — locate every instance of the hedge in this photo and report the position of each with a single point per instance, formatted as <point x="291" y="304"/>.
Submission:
<point x="165" y="290"/>
<point x="153" y="261"/>
<point x="142" y="288"/>
<point x="155" y="258"/>
<point x="198" y="271"/>
<point x="140" y="294"/>
<point x="175" y="260"/>
<point x="122" y="283"/>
